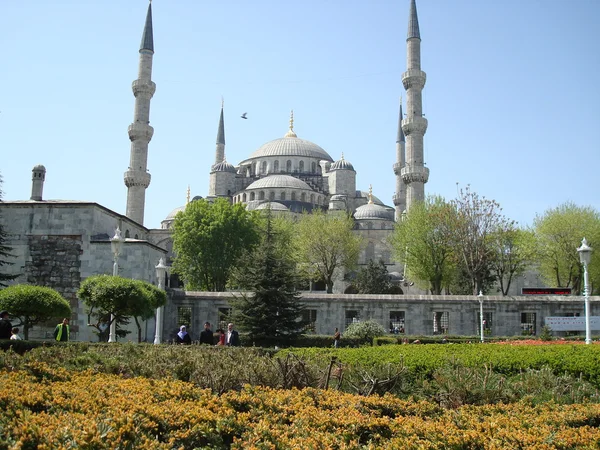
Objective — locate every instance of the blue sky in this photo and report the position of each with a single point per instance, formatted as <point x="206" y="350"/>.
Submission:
<point x="512" y="94"/>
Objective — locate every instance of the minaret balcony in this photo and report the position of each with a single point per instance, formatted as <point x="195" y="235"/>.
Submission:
<point x="415" y="174"/>
<point x="140" y="131"/>
<point x="417" y="125"/>
<point x="136" y="178"/>
<point x="144" y="87"/>
<point x="397" y="168"/>
<point x="414" y="78"/>
<point x="399" y="199"/>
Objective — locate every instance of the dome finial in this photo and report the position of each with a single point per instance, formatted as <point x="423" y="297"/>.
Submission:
<point x="342" y="156"/>
<point x="370" y="194"/>
<point x="187" y="199"/>
<point x="291" y="133"/>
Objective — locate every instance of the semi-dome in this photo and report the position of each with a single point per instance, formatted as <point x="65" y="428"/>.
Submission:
<point x="291" y="146"/>
<point x="341" y="164"/>
<point x="173" y="213"/>
<point x="274" y="206"/>
<point x="223" y="166"/>
<point x="279" y="181"/>
<point x="371" y="211"/>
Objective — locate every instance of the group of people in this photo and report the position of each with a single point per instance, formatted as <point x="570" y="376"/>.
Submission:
<point x="229" y="338"/>
<point x="7" y="331"/>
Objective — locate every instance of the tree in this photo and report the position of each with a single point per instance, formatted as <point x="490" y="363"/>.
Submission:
<point x="365" y="331"/>
<point x="326" y="245"/>
<point x="208" y="239"/>
<point x="558" y="234"/>
<point x="110" y="298"/>
<point x="476" y="219"/>
<point x="271" y="307"/>
<point x="373" y="279"/>
<point x="424" y="242"/>
<point x="5" y="250"/>
<point x="513" y="251"/>
<point x="33" y="305"/>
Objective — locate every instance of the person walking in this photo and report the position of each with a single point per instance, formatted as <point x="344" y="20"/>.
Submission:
<point x="336" y="338"/>
<point x="183" y="337"/>
<point x="62" y="332"/>
<point x="5" y="325"/>
<point x="232" y="338"/>
<point x="206" y="336"/>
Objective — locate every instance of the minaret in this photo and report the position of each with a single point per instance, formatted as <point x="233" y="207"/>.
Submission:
<point x="137" y="178"/>
<point x="220" y="152"/>
<point x="400" y="196"/>
<point x="38" y="175"/>
<point x="414" y="173"/>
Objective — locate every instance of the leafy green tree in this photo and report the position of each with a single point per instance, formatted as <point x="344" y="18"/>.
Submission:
<point x="271" y="306"/>
<point x="373" y="279"/>
<point x="476" y="219"/>
<point x="208" y="240"/>
<point x="558" y="233"/>
<point x="513" y="252"/>
<point x="115" y="298"/>
<point x="424" y="241"/>
<point x="365" y="331"/>
<point x="5" y="250"/>
<point x="33" y="305"/>
<point x="326" y="245"/>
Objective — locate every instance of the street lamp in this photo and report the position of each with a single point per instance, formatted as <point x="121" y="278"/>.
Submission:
<point x="115" y="245"/>
<point x="585" y="255"/>
<point x="161" y="269"/>
<point x="481" y="321"/>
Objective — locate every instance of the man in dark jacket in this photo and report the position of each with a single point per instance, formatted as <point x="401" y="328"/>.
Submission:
<point x="232" y="337"/>
<point x="5" y="325"/>
<point x="206" y="336"/>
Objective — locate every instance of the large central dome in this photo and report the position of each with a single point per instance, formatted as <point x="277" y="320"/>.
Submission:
<point x="291" y="146"/>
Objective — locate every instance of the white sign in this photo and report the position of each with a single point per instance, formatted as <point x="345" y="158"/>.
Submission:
<point x="572" y="323"/>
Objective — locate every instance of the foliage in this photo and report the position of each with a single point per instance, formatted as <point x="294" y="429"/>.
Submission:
<point x="110" y="298"/>
<point x="513" y="251"/>
<point x="33" y="305"/>
<point x="546" y="333"/>
<point x="373" y="279"/>
<point x="326" y="245"/>
<point x="365" y="331"/>
<point x="423" y="240"/>
<point x="208" y="240"/>
<point x="271" y="305"/>
<point x="475" y="221"/>
<point x="5" y="250"/>
<point x="559" y="232"/>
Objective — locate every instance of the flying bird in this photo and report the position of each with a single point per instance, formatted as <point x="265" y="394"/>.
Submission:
<point x="243" y="116"/>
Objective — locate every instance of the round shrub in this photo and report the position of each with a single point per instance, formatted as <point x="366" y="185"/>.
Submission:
<point x="364" y="331"/>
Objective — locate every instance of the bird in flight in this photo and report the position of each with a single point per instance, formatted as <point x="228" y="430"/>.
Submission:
<point x="243" y="116"/>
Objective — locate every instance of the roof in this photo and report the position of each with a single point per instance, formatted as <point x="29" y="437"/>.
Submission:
<point x="274" y="206"/>
<point x="223" y="166"/>
<point x="279" y="181"/>
<point x="291" y="146"/>
<point x="372" y="211"/>
<point x="147" y="38"/>
<point x="173" y="213"/>
<point x="341" y="164"/>
<point x="413" y="22"/>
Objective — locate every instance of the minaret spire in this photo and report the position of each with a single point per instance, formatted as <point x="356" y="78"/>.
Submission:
<point x="291" y="132"/>
<point x="220" y="151"/>
<point x="137" y="178"/>
<point x="400" y="196"/>
<point x="414" y="173"/>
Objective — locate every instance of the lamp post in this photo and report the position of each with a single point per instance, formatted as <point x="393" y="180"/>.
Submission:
<point x="161" y="269"/>
<point x="115" y="245"/>
<point x="585" y="255"/>
<point x="481" y="321"/>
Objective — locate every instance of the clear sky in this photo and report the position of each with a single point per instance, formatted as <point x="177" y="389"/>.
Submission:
<point x="512" y="94"/>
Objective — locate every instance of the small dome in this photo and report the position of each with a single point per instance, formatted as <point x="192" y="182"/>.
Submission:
<point x="223" y="166"/>
<point x="338" y="198"/>
<point x="274" y="206"/>
<point x="173" y="213"/>
<point x="341" y="164"/>
<point x="279" y="181"/>
<point x="372" y="211"/>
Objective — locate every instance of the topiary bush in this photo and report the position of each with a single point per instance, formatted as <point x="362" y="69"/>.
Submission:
<point x="364" y="331"/>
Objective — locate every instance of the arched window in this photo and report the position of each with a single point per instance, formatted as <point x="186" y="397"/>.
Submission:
<point x="254" y="168"/>
<point x="282" y="196"/>
<point x="276" y="166"/>
<point x="261" y="195"/>
<point x="271" y="195"/>
<point x="136" y="236"/>
<point x="252" y="196"/>
<point x="126" y="234"/>
<point x="244" y="197"/>
<point x="301" y="166"/>
<point x="293" y="196"/>
<point x="312" y="198"/>
<point x="303" y="197"/>
<point x="288" y="166"/>
<point x="313" y="167"/>
<point x="263" y="168"/>
<point x="369" y="226"/>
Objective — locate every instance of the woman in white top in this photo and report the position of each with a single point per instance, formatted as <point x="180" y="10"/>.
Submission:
<point x="15" y="334"/>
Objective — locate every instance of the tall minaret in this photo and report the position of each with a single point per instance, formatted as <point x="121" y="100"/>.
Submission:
<point x="400" y="196"/>
<point x="137" y="178"/>
<point x="220" y="151"/>
<point x="414" y="173"/>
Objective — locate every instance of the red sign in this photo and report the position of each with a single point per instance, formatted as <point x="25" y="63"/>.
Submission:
<point x="546" y="291"/>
